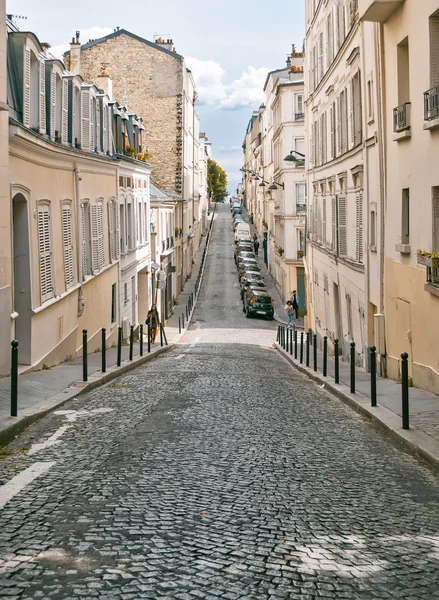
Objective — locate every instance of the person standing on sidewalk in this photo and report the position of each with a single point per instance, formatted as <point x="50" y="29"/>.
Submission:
<point x="256" y="245"/>
<point x="290" y="312"/>
<point x="153" y="321"/>
<point x="295" y="302"/>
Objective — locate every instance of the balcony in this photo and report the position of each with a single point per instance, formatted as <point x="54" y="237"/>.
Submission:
<point x="300" y="254"/>
<point x="377" y="11"/>
<point x="401" y="122"/>
<point x="431" y="108"/>
<point x="299" y="163"/>
<point x="299" y="116"/>
<point x="300" y="208"/>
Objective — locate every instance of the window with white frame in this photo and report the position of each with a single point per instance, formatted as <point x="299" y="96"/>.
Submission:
<point x="86" y="239"/>
<point x="97" y="236"/>
<point x="113" y="229"/>
<point x="68" y="247"/>
<point x="299" y="114"/>
<point x="45" y="251"/>
<point x="300" y="197"/>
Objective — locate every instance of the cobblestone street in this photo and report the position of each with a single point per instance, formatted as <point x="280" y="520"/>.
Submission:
<point x="216" y="471"/>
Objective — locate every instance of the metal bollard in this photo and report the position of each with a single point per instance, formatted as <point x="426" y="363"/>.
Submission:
<point x="373" y="376"/>
<point x="336" y="363"/>
<point x="141" y="340"/>
<point x="405" y="390"/>
<point x="119" y="346"/>
<point x="295" y="343"/>
<point x="104" y="350"/>
<point x="315" y="351"/>
<point x="131" y="341"/>
<point x="187" y="314"/>
<point x="284" y="337"/>
<point x="301" y="347"/>
<point x="182" y="319"/>
<point x="325" y="356"/>
<point x="307" y="349"/>
<point x="164" y="333"/>
<point x="291" y="342"/>
<point x="84" y="356"/>
<point x="192" y="299"/>
<point x="179" y="325"/>
<point x="278" y="334"/>
<point x="14" y="378"/>
<point x="149" y="338"/>
<point x="161" y="335"/>
<point x="352" y="367"/>
<point x="287" y="346"/>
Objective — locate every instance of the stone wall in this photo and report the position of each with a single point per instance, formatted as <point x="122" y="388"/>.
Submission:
<point x="152" y="82"/>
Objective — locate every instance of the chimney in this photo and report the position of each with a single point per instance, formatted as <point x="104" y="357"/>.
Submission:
<point x="45" y="46"/>
<point x="75" y="55"/>
<point x="168" y="44"/>
<point x="104" y="81"/>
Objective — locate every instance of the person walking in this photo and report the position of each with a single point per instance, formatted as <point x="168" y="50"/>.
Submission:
<point x="256" y="245"/>
<point x="290" y="312"/>
<point x="153" y="321"/>
<point x="295" y="302"/>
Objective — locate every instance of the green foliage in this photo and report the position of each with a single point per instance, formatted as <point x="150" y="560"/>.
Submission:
<point x="216" y="181"/>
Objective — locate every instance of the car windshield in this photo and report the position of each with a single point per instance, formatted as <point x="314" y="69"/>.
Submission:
<point x="247" y="254"/>
<point x="262" y="300"/>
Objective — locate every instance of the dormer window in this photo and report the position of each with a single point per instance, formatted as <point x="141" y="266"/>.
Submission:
<point x="34" y="92"/>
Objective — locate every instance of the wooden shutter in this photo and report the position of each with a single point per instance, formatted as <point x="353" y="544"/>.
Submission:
<point x="339" y="144"/>
<point x="98" y="144"/>
<point x="104" y="128"/>
<point x="359" y="227"/>
<point x="94" y="238"/>
<point x="117" y="217"/>
<point x="101" y="234"/>
<point x="84" y="243"/>
<point x="321" y="57"/>
<point x="45" y="253"/>
<point x="324" y="237"/>
<point x="42" y="67"/>
<point x="342" y="233"/>
<point x="333" y="222"/>
<point x="75" y="108"/>
<point x="52" y="115"/>
<point x="352" y="113"/>
<point x="434" y="51"/>
<point x="85" y="120"/>
<point x="67" y="235"/>
<point x="26" y="91"/>
<point x="436" y="219"/>
<point x="65" y="111"/>
<point x="111" y="230"/>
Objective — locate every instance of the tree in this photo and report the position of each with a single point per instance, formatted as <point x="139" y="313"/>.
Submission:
<point x="216" y="181"/>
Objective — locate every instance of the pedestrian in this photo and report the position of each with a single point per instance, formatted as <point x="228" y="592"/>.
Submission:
<point x="256" y="245"/>
<point x="290" y="312"/>
<point x="295" y="302"/>
<point x="153" y="321"/>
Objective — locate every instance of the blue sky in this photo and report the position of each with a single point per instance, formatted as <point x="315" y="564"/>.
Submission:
<point x="230" y="45"/>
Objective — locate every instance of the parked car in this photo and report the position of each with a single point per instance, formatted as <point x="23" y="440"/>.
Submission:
<point x="258" y="303"/>
<point x="241" y="250"/>
<point x="252" y="284"/>
<point x="246" y="268"/>
<point x="247" y="260"/>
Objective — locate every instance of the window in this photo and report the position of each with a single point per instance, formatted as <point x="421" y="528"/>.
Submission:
<point x="300" y="197"/>
<point x="342" y="220"/>
<point x="125" y="293"/>
<point x="349" y="315"/>
<point x="298" y="107"/>
<point x="113" y="303"/>
<point x="356" y="124"/>
<point x="301" y="244"/>
<point x="434" y="50"/>
<point x="324" y="236"/>
<point x="122" y="228"/>
<point x="34" y="92"/>
<point x="370" y="111"/>
<point x="130" y="237"/>
<point x="45" y="252"/>
<point x="330" y="40"/>
<point x="113" y="229"/>
<point x="373" y="232"/>
<point x="403" y="72"/>
<point x="97" y="236"/>
<point x="359" y="226"/>
<point x="405" y="217"/>
<point x="86" y="240"/>
<point x="67" y="238"/>
<point x="86" y="131"/>
<point x="333" y="223"/>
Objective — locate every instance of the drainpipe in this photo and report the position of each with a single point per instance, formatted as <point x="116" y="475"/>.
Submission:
<point x="79" y="240"/>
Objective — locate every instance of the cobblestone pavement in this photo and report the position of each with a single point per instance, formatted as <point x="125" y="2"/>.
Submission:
<point x="213" y="472"/>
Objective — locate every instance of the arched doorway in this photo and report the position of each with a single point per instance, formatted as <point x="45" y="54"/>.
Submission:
<point x="22" y="279"/>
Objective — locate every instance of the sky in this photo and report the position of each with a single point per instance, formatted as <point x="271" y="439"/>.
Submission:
<point x="230" y="45"/>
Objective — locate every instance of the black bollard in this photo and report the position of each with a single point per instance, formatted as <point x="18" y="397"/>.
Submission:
<point x="14" y="378"/>
<point x="141" y="340"/>
<point x="352" y="367"/>
<point x="182" y="319"/>
<point x="336" y="363"/>
<point x="287" y="346"/>
<point x="278" y="334"/>
<point x="131" y="342"/>
<point x="161" y="335"/>
<point x="405" y="390"/>
<point x="325" y="356"/>
<point x="104" y="350"/>
<point x="284" y="343"/>
<point x="179" y="325"/>
<point x="192" y="299"/>
<point x="187" y="314"/>
<point x="291" y="342"/>
<point x="149" y="338"/>
<point x="164" y="333"/>
<point x="295" y="343"/>
<point x="307" y="349"/>
<point x="373" y="376"/>
<point x="301" y="347"/>
<point x="119" y="346"/>
<point x="315" y="351"/>
<point x="84" y="356"/>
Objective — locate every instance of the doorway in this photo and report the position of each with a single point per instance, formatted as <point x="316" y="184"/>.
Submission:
<point x="301" y="290"/>
<point x="22" y="281"/>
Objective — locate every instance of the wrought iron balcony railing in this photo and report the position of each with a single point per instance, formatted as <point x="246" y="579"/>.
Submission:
<point x="401" y="117"/>
<point x="300" y="116"/>
<point x="300" y="208"/>
<point x="431" y="103"/>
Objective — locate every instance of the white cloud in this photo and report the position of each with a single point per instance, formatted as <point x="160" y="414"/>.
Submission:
<point x="213" y="91"/>
<point x="86" y="35"/>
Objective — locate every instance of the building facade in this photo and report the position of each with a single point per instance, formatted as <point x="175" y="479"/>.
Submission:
<point x="408" y="32"/>
<point x="344" y="177"/>
<point x="205" y="152"/>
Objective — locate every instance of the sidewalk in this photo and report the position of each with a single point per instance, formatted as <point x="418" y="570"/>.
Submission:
<point x="40" y="392"/>
<point x="423" y="435"/>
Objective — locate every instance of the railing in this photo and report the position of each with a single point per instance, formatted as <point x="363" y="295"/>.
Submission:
<point x="300" y="254"/>
<point x="300" y="116"/>
<point x="433" y="275"/>
<point x="299" y="163"/>
<point x="300" y="208"/>
<point x="163" y="245"/>
<point x="401" y="117"/>
<point x="431" y="103"/>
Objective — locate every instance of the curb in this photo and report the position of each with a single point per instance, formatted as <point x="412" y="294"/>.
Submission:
<point x="422" y="447"/>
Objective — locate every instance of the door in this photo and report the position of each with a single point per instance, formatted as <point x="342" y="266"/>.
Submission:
<point x="22" y="283"/>
<point x="403" y="331"/>
<point x="301" y="290"/>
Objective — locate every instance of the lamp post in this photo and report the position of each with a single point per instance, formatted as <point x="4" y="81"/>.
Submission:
<point x="291" y="158"/>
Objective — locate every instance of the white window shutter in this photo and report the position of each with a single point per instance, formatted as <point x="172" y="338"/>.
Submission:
<point x="67" y="234"/>
<point x="85" y="120"/>
<point x="65" y="111"/>
<point x="342" y="229"/>
<point x="331" y="131"/>
<point x="42" y="67"/>
<point x="117" y="234"/>
<point x="101" y="236"/>
<point x="84" y="243"/>
<point x="94" y="238"/>
<point x="333" y="222"/>
<point x="45" y="253"/>
<point x="338" y="119"/>
<point x="351" y="113"/>
<point x="104" y="128"/>
<point x="52" y="115"/>
<point x="26" y="90"/>
<point x="75" y="134"/>
<point x="359" y="227"/>
<point x="98" y="125"/>
<point x="346" y="123"/>
<point x="324" y="222"/>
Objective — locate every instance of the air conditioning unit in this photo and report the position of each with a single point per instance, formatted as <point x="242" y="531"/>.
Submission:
<point x="125" y="328"/>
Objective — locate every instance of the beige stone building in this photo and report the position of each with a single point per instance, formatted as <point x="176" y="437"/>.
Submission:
<point x="151" y="78"/>
<point x="407" y="33"/>
<point x="5" y="210"/>
<point x="345" y="185"/>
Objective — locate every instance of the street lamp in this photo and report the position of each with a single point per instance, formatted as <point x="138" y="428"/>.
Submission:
<point x="275" y="184"/>
<point x="291" y="158"/>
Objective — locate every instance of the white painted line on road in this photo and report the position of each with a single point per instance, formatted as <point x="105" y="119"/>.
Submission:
<point x="179" y="356"/>
<point x="51" y="441"/>
<point x="20" y="481"/>
<point x="72" y="415"/>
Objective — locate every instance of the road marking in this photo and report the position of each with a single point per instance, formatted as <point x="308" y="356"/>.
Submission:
<point x="72" y="415"/>
<point x="179" y="356"/>
<point x="51" y="441"/>
<point x="20" y="481"/>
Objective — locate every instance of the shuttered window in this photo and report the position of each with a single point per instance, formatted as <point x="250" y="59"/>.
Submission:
<point x="97" y="237"/>
<point x="112" y="230"/>
<point x="85" y="120"/>
<point x="104" y="128"/>
<point x="42" y="96"/>
<point x="338" y="119"/>
<point x="26" y="91"/>
<point x="342" y="229"/>
<point x="351" y="114"/>
<point x="359" y="227"/>
<point x="45" y="252"/>
<point x="332" y="132"/>
<point x="330" y="39"/>
<point x="435" y="194"/>
<point x="67" y="238"/>
<point x="434" y="51"/>
<point x="98" y="144"/>
<point x="65" y="111"/>
<point x="333" y="223"/>
<point x="52" y="115"/>
<point x="324" y="237"/>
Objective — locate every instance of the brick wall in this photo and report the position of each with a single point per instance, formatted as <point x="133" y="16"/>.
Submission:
<point x="153" y="82"/>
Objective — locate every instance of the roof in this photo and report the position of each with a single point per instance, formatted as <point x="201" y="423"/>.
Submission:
<point x="272" y="73"/>
<point x="131" y="35"/>
<point x="157" y="194"/>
